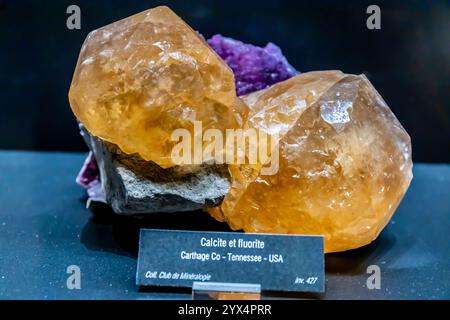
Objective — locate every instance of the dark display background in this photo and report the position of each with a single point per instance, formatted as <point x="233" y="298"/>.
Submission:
<point x="408" y="60"/>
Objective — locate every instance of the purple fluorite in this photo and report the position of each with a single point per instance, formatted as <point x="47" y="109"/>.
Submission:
<point x="254" y="68"/>
<point x="89" y="178"/>
<point x="88" y="172"/>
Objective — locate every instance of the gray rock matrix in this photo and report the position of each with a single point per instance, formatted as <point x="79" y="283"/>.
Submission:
<point x="136" y="186"/>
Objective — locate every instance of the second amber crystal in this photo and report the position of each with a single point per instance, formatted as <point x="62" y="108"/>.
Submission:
<point x="344" y="163"/>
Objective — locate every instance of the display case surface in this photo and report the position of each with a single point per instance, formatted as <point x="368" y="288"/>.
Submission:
<point x="45" y="228"/>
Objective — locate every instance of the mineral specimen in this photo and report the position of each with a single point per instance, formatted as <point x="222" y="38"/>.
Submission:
<point x="254" y="68"/>
<point x="131" y="185"/>
<point x="141" y="78"/>
<point x="344" y="164"/>
<point x="344" y="159"/>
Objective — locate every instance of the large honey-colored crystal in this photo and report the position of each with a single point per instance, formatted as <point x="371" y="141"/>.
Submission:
<point x="139" y="79"/>
<point x="344" y="163"/>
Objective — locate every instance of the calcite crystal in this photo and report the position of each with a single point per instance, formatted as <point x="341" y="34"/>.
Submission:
<point x="344" y="162"/>
<point x="139" y="79"/>
<point x="254" y="68"/>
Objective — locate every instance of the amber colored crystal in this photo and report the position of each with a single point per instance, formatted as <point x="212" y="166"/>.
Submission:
<point x="344" y="163"/>
<point x="139" y="79"/>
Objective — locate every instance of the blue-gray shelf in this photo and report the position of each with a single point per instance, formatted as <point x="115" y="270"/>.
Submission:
<point x="45" y="227"/>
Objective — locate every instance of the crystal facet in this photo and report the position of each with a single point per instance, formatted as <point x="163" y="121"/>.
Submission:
<point x="139" y="79"/>
<point x="344" y="164"/>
